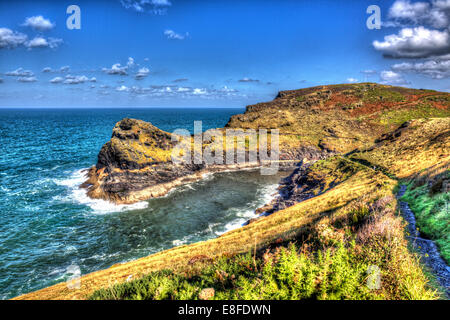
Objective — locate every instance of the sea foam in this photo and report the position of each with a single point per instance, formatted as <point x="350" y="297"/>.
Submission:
<point x="98" y="206"/>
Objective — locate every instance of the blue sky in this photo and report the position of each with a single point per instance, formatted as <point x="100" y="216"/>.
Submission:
<point x="213" y="53"/>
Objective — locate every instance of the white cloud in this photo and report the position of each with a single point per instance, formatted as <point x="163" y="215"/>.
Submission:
<point x="436" y="69"/>
<point x="75" y="79"/>
<point x="11" y="39"/>
<point x="198" y="91"/>
<point x="170" y="34"/>
<point x="122" y="88"/>
<point x="57" y="80"/>
<point x="38" y="23"/>
<point x="435" y="13"/>
<point x="41" y="42"/>
<point x="416" y="42"/>
<point x="392" y="78"/>
<point x="116" y="69"/>
<point x="47" y="70"/>
<point x="93" y="79"/>
<point x="37" y="42"/>
<point x="152" y="6"/>
<point x="142" y="73"/>
<point x="130" y="62"/>
<point x="226" y="89"/>
<point x="27" y="79"/>
<point x="352" y="80"/>
<point x="20" y="72"/>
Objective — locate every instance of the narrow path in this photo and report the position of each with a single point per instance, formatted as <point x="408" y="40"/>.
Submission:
<point x="427" y="248"/>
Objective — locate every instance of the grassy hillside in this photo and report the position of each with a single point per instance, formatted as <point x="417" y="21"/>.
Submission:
<point x="342" y="117"/>
<point x="340" y="233"/>
<point x="418" y="153"/>
<point x="322" y="247"/>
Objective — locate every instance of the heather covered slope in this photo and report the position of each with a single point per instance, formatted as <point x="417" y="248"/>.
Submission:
<point x="342" y="117"/>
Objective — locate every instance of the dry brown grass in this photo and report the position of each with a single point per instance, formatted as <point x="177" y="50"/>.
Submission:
<point x="423" y="145"/>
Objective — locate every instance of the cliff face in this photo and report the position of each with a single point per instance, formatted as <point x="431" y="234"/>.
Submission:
<point x="314" y="123"/>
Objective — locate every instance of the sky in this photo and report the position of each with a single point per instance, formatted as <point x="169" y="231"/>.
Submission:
<point x="182" y="53"/>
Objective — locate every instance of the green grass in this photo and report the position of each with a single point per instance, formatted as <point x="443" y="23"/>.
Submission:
<point x="432" y="213"/>
<point x="287" y="274"/>
<point x="377" y="94"/>
<point x="420" y="111"/>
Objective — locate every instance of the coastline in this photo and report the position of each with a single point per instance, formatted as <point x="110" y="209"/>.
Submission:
<point x="93" y="183"/>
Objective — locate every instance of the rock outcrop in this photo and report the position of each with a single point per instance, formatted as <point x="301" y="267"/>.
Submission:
<point x="314" y="123"/>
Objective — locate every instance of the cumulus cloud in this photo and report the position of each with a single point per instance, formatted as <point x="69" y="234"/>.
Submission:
<point x="436" y="69"/>
<point x="75" y="79"/>
<point x="116" y="69"/>
<point x="248" y="80"/>
<point x="10" y="39"/>
<point x="424" y="38"/>
<point x="122" y="88"/>
<point x="20" y="72"/>
<point x="199" y="91"/>
<point x="170" y="34"/>
<point x="151" y="6"/>
<point x="38" y="23"/>
<point x="435" y="13"/>
<point x="352" y="80"/>
<point x="27" y="79"/>
<point x="57" y="80"/>
<point x="392" y="78"/>
<point x="416" y="42"/>
<point x="142" y="73"/>
<point x="47" y="70"/>
<point x="41" y="42"/>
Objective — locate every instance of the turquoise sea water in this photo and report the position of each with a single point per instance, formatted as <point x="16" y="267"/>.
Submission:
<point x="48" y="225"/>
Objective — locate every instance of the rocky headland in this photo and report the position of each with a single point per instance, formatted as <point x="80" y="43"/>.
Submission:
<point x="314" y="123"/>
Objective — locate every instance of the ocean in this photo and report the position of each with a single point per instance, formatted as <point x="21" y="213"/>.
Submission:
<point x="48" y="225"/>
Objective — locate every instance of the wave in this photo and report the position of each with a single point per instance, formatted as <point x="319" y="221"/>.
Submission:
<point x="79" y="195"/>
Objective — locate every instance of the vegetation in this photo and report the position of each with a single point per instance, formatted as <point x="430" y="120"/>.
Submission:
<point x="285" y="274"/>
<point x="424" y="111"/>
<point x="325" y="267"/>
<point x="431" y="208"/>
<point x="382" y="93"/>
<point x="350" y="225"/>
